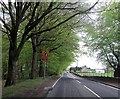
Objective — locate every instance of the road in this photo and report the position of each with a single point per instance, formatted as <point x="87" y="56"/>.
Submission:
<point x="70" y="85"/>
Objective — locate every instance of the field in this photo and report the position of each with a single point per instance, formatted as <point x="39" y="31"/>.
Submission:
<point x="110" y="74"/>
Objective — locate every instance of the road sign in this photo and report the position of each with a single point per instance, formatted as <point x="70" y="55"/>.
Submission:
<point x="44" y="57"/>
<point x="43" y="52"/>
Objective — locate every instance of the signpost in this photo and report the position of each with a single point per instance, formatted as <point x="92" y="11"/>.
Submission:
<point x="44" y="59"/>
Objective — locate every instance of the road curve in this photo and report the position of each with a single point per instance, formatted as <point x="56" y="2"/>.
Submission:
<point x="70" y="85"/>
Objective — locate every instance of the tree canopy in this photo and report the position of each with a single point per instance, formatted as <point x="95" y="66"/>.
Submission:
<point x="25" y="22"/>
<point x="103" y="37"/>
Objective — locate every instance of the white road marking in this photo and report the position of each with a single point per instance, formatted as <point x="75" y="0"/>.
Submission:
<point x="56" y="82"/>
<point x="92" y="92"/>
<point x="78" y="81"/>
<point x="108" y="86"/>
<point x="71" y="76"/>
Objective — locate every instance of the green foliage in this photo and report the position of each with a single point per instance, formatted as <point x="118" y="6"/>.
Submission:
<point x="64" y="44"/>
<point x="50" y="36"/>
<point x="62" y="57"/>
<point x="5" y="47"/>
<point x="59" y="61"/>
<point x="103" y="37"/>
<point x="24" y="62"/>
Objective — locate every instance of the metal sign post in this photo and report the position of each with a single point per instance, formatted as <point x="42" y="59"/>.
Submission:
<point x="44" y="58"/>
<point x="44" y="69"/>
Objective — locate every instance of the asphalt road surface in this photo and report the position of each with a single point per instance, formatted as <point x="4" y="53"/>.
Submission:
<point x="70" y="85"/>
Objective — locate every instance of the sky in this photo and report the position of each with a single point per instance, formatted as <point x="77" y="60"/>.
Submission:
<point x="88" y="61"/>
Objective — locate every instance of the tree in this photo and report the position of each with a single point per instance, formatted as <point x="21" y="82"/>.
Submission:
<point x="17" y="14"/>
<point x="64" y="55"/>
<point x="55" y="41"/>
<point x="111" y="49"/>
<point x="103" y="38"/>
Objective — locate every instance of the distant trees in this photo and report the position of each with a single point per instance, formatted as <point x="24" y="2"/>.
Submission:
<point x="75" y="69"/>
<point x="22" y="21"/>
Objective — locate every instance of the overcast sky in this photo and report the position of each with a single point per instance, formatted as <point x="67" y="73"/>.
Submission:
<point x="88" y="61"/>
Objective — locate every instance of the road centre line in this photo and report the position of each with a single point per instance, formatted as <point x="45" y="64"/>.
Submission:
<point x="108" y="86"/>
<point x="56" y="82"/>
<point x="78" y="81"/>
<point x="92" y="92"/>
<point x="72" y="75"/>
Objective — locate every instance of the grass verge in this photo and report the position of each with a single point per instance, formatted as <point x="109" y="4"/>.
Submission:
<point x="111" y="74"/>
<point x="22" y="86"/>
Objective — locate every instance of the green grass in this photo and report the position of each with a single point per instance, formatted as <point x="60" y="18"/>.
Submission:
<point x="22" y="86"/>
<point x="97" y="74"/>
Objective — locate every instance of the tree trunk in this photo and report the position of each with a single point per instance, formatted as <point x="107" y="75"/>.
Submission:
<point x="40" y="69"/>
<point x="12" y="64"/>
<point x="117" y="71"/>
<point x="13" y="59"/>
<point x="34" y="58"/>
<point x="33" y="68"/>
<point x="18" y="71"/>
<point x="21" y="72"/>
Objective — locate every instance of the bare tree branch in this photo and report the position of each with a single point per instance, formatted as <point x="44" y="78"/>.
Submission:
<point x="32" y="16"/>
<point x="113" y="52"/>
<point x="5" y="25"/>
<point x="49" y="29"/>
<point x="55" y="48"/>
<point x="11" y="14"/>
<point x="108" y="60"/>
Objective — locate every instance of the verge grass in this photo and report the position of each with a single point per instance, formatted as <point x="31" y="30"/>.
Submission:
<point x="110" y="74"/>
<point x="22" y="86"/>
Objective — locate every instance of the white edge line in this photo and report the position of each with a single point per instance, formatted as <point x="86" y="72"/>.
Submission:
<point x="92" y="91"/>
<point x="56" y="82"/>
<point x="108" y="86"/>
